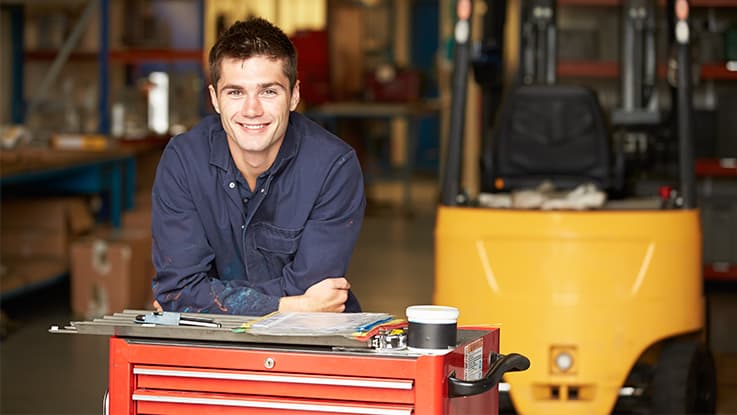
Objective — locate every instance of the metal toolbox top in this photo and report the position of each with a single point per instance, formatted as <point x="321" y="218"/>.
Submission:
<point x="123" y="324"/>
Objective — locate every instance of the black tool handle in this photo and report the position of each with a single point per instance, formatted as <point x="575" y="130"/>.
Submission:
<point x="198" y="321"/>
<point x="499" y="365"/>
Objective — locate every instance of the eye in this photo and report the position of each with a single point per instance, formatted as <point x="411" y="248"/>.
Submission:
<point x="269" y="92"/>
<point x="234" y="92"/>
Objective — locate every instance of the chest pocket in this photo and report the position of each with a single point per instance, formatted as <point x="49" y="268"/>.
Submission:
<point x="268" y="249"/>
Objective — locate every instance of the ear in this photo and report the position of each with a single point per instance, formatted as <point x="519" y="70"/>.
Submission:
<point x="294" y="100"/>
<point x="214" y="98"/>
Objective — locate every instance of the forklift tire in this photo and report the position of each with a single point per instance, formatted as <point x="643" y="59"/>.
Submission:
<point x="684" y="381"/>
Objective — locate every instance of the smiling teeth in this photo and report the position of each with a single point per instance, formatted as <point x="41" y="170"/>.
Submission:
<point x="254" y="126"/>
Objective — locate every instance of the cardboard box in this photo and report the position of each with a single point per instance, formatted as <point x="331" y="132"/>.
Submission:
<point x="32" y="243"/>
<point x="49" y="213"/>
<point x="111" y="271"/>
<point x="42" y="227"/>
<point x="35" y="234"/>
<point x="17" y="275"/>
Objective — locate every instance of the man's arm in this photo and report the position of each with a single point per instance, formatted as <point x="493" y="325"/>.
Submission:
<point x="328" y="295"/>
<point x="331" y="232"/>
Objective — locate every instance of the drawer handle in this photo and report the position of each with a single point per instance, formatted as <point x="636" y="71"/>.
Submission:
<point x="361" y="383"/>
<point x="500" y="364"/>
<point x="345" y="409"/>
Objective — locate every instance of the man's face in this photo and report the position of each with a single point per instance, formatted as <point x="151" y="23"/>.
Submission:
<point x="254" y="101"/>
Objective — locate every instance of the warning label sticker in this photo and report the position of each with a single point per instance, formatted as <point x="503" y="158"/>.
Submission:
<point x="473" y="360"/>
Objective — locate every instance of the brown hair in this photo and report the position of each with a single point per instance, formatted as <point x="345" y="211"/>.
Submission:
<point x="254" y="37"/>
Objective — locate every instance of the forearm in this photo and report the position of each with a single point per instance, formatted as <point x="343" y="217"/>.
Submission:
<point x="202" y="294"/>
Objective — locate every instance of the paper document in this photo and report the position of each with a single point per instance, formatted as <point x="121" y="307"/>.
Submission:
<point x="315" y="324"/>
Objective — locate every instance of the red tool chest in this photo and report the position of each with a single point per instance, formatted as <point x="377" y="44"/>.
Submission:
<point x="170" y="376"/>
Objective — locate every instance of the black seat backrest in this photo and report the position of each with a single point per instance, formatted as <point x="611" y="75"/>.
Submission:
<point x="548" y="132"/>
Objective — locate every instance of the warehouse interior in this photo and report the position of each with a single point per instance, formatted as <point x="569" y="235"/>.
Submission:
<point x="93" y="90"/>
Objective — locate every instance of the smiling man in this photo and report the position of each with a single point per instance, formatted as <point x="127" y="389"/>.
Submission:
<point x="257" y="208"/>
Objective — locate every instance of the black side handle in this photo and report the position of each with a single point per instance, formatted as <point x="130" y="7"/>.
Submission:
<point x="499" y="365"/>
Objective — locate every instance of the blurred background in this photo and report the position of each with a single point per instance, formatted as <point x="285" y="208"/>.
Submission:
<point x="91" y="92"/>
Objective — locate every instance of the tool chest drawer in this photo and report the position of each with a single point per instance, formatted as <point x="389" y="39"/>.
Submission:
<point x="193" y="403"/>
<point x="276" y="384"/>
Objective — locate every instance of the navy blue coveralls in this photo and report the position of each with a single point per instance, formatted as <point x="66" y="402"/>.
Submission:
<point x="221" y="247"/>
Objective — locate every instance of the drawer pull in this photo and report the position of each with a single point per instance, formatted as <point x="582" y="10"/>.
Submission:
<point x="294" y="406"/>
<point x="309" y="380"/>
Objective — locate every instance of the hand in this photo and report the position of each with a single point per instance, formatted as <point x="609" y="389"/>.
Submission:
<point x="327" y="295"/>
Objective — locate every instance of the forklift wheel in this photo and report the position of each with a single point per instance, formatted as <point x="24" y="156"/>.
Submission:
<point x="685" y="380"/>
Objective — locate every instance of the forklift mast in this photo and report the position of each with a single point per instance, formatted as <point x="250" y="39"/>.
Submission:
<point x="638" y="85"/>
<point x="680" y="11"/>
<point x="538" y="42"/>
<point x="450" y="191"/>
<point x="638" y="65"/>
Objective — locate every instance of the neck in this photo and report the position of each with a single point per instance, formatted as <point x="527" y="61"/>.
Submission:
<point x="251" y="166"/>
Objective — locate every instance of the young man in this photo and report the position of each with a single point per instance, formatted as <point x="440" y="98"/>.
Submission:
<point x="255" y="209"/>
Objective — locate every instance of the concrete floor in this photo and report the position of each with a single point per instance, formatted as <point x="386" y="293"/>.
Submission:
<point x="392" y="268"/>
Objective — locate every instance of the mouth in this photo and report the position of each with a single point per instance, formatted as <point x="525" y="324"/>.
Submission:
<point x="253" y="127"/>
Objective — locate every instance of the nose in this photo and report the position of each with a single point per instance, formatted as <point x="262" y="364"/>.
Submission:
<point x="252" y="107"/>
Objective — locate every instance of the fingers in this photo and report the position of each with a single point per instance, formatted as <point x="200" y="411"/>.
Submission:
<point x="340" y="295"/>
<point x="336" y="307"/>
<point x="340" y="283"/>
<point x="337" y="295"/>
<point x="329" y="294"/>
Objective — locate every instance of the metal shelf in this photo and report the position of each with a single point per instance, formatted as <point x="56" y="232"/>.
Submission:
<point x="614" y="3"/>
<point x="716" y="167"/>
<point x="104" y="55"/>
<point x="610" y="69"/>
<point x="720" y="272"/>
<point x="158" y="55"/>
<point x="122" y="55"/>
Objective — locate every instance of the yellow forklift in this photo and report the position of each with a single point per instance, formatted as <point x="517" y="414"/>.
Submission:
<point x="606" y="302"/>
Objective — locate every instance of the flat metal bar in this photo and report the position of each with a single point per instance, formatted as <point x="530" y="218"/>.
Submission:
<point x="103" y="61"/>
<point x="17" y="34"/>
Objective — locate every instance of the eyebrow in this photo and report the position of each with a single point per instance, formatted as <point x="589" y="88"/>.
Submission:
<point x="261" y="86"/>
<point x="271" y="85"/>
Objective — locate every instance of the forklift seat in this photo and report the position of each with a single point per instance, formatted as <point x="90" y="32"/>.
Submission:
<point x="554" y="133"/>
